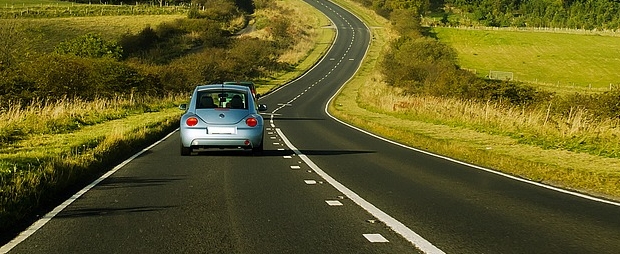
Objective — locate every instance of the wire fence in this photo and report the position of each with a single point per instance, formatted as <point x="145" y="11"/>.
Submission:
<point x="509" y="76"/>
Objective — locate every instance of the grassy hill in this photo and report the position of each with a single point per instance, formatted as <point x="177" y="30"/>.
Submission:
<point x="555" y="60"/>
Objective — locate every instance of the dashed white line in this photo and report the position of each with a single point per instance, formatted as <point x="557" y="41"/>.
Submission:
<point x="333" y="202"/>
<point x="375" y="238"/>
<point x="394" y="224"/>
<point x="310" y="182"/>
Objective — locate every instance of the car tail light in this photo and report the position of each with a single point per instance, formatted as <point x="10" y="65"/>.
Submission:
<point x="251" y="121"/>
<point x="192" y="121"/>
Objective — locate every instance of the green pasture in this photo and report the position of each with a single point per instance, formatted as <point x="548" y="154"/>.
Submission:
<point x="561" y="60"/>
<point x="45" y="34"/>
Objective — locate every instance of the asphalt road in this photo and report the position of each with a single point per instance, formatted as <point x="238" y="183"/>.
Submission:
<point x="321" y="187"/>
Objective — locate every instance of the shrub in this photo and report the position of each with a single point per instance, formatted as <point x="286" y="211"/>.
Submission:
<point x="90" y="45"/>
<point x="602" y="106"/>
<point x="17" y="88"/>
<point x="56" y="76"/>
<point x="511" y="92"/>
<point x="411" y="61"/>
<point x="134" y="45"/>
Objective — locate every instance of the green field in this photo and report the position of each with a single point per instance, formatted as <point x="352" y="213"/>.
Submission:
<point x="549" y="59"/>
<point x="45" y="34"/>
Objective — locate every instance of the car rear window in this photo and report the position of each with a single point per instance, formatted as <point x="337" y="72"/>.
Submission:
<point x="221" y="99"/>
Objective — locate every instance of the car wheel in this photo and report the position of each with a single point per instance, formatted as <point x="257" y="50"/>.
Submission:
<point x="258" y="149"/>
<point x="186" y="151"/>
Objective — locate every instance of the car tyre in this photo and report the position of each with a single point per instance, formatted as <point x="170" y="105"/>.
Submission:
<point x="258" y="149"/>
<point x="186" y="151"/>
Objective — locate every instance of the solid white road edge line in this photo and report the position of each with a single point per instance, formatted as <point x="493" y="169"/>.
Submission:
<point x="41" y="222"/>
<point x="581" y="195"/>
<point x="577" y="194"/>
<point x="395" y="225"/>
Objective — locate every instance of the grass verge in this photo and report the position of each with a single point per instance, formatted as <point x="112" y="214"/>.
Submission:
<point x="41" y="168"/>
<point x="468" y="142"/>
<point x="316" y="39"/>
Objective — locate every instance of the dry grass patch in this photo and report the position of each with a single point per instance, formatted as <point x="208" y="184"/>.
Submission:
<point x="312" y="32"/>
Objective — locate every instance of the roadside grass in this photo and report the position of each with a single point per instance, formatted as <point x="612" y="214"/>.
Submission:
<point x="18" y="121"/>
<point x="40" y="165"/>
<point x="522" y="143"/>
<point x="316" y="35"/>
<point x="557" y="61"/>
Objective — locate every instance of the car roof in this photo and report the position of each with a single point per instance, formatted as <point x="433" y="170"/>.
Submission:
<point x="223" y="86"/>
<point x="239" y="82"/>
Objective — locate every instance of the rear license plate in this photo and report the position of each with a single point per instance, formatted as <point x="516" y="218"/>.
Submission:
<point x="221" y="130"/>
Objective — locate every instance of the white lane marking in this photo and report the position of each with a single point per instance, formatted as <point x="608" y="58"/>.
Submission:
<point x="333" y="202"/>
<point x="41" y="222"/>
<point x="376" y="238"/>
<point x="310" y="182"/>
<point x="295" y="167"/>
<point x="287" y="157"/>
<point x="394" y="224"/>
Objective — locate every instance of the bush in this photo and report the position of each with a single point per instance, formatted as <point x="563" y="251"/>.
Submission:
<point x="602" y="106"/>
<point x="90" y="45"/>
<point x="134" y="45"/>
<point x="18" y="89"/>
<point x="412" y="61"/>
<point x="510" y="92"/>
<point x="57" y="76"/>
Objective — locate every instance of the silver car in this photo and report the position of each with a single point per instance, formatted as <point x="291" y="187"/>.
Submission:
<point x="222" y="116"/>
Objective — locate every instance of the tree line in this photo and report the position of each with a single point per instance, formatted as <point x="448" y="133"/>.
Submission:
<point x="574" y="14"/>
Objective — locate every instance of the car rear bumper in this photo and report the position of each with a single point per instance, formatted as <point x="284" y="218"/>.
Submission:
<point x="197" y="138"/>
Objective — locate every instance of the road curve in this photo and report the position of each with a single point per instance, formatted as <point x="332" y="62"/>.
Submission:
<point x="284" y="202"/>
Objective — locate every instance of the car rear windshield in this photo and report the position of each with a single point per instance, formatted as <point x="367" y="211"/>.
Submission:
<point x="221" y="99"/>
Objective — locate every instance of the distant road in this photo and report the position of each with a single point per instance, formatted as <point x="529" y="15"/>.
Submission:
<point x="303" y="194"/>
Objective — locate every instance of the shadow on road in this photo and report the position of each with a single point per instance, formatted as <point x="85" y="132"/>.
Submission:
<point x="297" y="119"/>
<point x="130" y="182"/>
<point x="108" y="211"/>
<point x="267" y="153"/>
